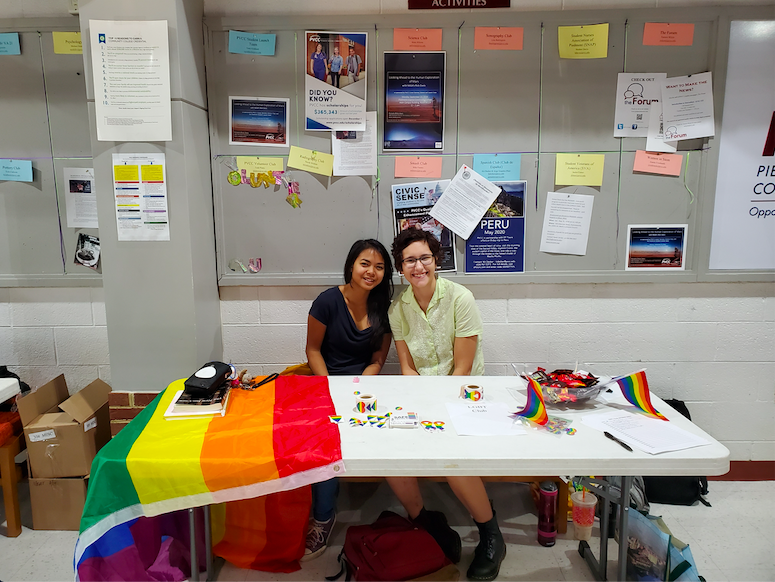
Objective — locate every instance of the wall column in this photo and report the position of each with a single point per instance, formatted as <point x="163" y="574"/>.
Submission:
<point x="161" y="298"/>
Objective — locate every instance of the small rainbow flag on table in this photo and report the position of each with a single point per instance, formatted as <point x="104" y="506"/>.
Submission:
<point x="635" y="388"/>
<point x="534" y="410"/>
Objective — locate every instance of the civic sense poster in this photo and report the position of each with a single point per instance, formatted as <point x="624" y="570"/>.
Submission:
<point x="414" y="101"/>
<point x="497" y="244"/>
<point x="335" y="81"/>
<point x="411" y="206"/>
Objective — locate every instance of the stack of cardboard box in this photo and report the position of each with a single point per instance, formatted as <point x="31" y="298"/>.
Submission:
<point x="63" y="435"/>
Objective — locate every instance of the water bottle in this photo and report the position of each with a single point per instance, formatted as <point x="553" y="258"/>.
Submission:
<point x="547" y="508"/>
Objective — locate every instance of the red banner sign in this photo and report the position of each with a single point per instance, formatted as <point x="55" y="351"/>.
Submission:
<point x="450" y="4"/>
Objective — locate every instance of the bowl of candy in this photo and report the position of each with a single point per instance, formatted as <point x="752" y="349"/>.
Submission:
<point x="566" y="386"/>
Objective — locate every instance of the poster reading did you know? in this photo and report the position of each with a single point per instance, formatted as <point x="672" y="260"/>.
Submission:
<point x="335" y="81"/>
<point x="414" y="101"/>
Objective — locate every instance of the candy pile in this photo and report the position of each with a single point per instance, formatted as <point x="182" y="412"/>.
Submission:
<point x="562" y="386"/>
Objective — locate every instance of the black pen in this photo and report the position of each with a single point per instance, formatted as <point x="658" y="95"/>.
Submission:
<point x="616" y="440"/>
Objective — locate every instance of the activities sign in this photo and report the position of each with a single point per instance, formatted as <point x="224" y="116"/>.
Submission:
<point x="335" y="81"/>
<point x="497" y="244"/>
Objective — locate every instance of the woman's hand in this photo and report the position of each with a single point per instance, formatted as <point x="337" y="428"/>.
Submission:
<point x="405" y="359"/>
<point x="316" y="331"/>
<point x="463" y="353"/>
<point x="379" y="357"/>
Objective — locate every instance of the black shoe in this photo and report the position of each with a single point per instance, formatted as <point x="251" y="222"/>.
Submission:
<point x="435" y="523"/>
<point x="489" y="553"/>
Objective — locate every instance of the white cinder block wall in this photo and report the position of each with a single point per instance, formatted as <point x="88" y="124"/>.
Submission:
<point x="712" y="345"/>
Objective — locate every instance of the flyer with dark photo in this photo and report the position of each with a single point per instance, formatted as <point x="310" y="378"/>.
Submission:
<point x="258" y="121"/>
<point x="497" y="244"/>
<point x="335" y="81"/>
<point x="656" y="247"/>
<point x="411" y="205"/>
<point x="414" y="101"/>
<point x="87" y="251"/>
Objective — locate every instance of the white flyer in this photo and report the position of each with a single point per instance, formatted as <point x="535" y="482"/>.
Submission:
<point x="140" y="192"/>
<point x="634" y="94"/>
<point x="355" y="152"/>
<point x="131" y="70"/>
<point x="466" y="199"/>
<point x="483" y="419"/>
<point x="687" y="107"/>
<point x="566" y="223"/>
<point x="80" y="198"/>
<point x="655" y="140"/>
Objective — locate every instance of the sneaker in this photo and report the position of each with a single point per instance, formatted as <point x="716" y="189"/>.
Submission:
<point x="317" y="538"/>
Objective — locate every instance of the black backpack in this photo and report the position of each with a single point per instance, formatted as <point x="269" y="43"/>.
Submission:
<point x="677" y="490"/>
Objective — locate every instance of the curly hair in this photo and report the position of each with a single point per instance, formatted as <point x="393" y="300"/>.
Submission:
<point x="413" y="235"/>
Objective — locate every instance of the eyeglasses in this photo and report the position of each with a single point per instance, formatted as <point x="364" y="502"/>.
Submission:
<point x="412" y="261"/>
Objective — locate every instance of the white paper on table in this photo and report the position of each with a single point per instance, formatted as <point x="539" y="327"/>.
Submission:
<point x="655" y="140"/>
<point x="357" y="157"/>
<point x="131" y="70"/>
<point x="80" y="198"/>
<point x="651" y="435"/>
<point x="634" y="92"/>
<point x="566" y="223"/>
<point x="466" y="199"/>
<point x="687" y="107"/>
<point x="483" y="419"/>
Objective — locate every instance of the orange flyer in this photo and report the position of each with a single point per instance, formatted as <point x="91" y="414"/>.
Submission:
<point x="668" y="34"/>
<point x="498" y="38"/>
<point x="418" y="167"/>
<point x="656" y="163"/>
<point x="416" y="39"/>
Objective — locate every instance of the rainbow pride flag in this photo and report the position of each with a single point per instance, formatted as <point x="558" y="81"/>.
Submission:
<point x="276" y="439"/>
<point x="635" y="388"/>
<point x="534" y="410"/>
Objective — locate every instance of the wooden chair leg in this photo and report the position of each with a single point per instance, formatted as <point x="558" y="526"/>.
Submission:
<point x="561" y="518"/>
<point x="10" y="490"/>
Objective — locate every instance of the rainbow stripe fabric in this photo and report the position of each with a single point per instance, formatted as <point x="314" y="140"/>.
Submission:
<point x="635" y="388"/>
<point x="534" y="410"/>
<point x="275" y="439"/>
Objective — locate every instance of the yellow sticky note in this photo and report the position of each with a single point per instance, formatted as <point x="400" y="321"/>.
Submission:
<point x="126" y="173"/>
<point x="152" y="173"/>
<point x="583" y="42"/>
<point x="67" y="43"/>
<point x="259" y="165"/>
<point x="579" y="170"/>
<point x="311" y="161"/>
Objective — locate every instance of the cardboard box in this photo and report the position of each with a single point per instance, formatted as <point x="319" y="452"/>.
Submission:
<point x="57" y="503"/>
<point x="64" y="432"/>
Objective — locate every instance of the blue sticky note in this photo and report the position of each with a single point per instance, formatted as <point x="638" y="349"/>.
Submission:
<point x="250" y="43"/>
<point x="16" y="170"/>
<point x="9" y="43"/>
<point x="498" y="167"/>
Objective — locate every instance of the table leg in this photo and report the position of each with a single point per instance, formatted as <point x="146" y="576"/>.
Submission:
<point x="192" y="537"/>
<point x="208" y="544"/>
<point x="624" y="512"/>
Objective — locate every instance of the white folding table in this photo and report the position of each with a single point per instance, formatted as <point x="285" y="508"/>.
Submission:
<point x="369" y="451"/>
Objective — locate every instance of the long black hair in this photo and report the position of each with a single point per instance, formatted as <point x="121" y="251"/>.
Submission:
<point x="378" y="300"/>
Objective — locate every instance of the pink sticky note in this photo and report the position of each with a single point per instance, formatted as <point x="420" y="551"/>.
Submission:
<point x="655" y="163"/>
<point x="418" y="167"/>
<point x="668" y="33"/>
<point x="498" y="38"/>
<point x="416" y="39"/>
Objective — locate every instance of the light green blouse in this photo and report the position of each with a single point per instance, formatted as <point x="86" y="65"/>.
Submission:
<point x="430" y="336"/>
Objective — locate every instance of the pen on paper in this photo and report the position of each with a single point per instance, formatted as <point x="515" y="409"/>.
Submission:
<point x="616" y="440"/>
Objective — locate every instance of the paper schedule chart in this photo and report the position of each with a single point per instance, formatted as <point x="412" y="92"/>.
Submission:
<point x="140" y="193"/>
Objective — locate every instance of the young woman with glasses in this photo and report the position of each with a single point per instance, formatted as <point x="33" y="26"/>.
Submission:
<point x="437" y="328"/>
<point x="348" y="333"/>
